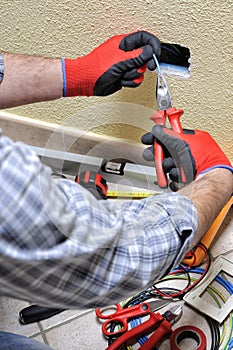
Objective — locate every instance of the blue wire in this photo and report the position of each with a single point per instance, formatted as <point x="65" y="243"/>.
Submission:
<point x="230" y="344"/>
<point x="226" y="284"/>
<point x="157" y="63"/>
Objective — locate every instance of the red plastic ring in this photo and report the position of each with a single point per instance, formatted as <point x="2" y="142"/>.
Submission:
<point x="187" y="332"/>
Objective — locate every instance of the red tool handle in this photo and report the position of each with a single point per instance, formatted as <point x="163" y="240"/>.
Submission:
<point x="121" y="317"/>
<point x="117" y="308"/>
<point x="159" y="335"/>
<point x="174" y="119"/>
<point x="133" y="334"/>
<point x="159" y="118"/>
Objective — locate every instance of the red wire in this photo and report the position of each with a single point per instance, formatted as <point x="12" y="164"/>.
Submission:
<point x="195" y="283"/>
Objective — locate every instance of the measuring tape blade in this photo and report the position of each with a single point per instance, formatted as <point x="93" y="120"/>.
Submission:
<point x="129" y="195"/>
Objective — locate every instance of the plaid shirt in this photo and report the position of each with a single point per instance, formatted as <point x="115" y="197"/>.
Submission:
<point x="60" y="247"/>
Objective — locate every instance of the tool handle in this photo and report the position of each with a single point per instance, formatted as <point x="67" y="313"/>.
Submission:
<point x="120" y="317"/>
<point x="117" y="308"/>
<point x="116" y="322"/>
<point x="159" y="118"/>
<point x="174" y="119"/>
<point x="115" y="318"/>
<point x="133" y="334"/>
<point x="35" y="313"/>
<point x="159" y="157"/>
<point x="159" y="335"/>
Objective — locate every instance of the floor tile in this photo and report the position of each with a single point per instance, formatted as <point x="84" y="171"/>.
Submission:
<point x="39" y="338"/>
<point x="61" y="318"/>
<point x="82" y="333"/>
<point x="9" y="317"/>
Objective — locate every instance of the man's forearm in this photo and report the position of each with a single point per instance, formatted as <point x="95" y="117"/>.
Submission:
<point x="29" y="79"/>
<point x="209" y="193"/>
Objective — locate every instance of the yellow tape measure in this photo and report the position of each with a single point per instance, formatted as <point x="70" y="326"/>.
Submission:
<point x="129" y="195"/>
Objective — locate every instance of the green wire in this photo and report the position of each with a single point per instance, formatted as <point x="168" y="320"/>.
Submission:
<point x="210" y="290"/>
<point x="213" y="292"/>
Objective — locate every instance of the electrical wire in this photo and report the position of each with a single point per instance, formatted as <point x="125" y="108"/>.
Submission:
<point x="181" y="293"/>
<point x="230" y="345"/>
<point x="151" y="293"/>
<point x="217" y="340"/>
<point x="172" y="293"/>
<point x="215" y="333"/>
<point x="162" y="293"/>
<point x="214" y="328"/>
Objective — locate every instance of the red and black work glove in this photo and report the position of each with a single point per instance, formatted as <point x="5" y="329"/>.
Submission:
<point x="194" y="151"/>
<point x="120" y="61"/>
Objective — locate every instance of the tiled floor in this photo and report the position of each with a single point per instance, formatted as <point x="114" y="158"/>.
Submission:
<point x="72" y="330"/>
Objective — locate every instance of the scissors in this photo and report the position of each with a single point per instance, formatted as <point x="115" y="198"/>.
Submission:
<point x="165" y="109"/>
<point x="122" y="316"/>
<point x="159" y="324"/>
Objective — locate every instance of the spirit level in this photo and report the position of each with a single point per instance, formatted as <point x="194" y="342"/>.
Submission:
<point x="67" y="163"/>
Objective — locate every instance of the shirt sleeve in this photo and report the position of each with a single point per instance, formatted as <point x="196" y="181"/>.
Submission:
<point x="60" y="247"/>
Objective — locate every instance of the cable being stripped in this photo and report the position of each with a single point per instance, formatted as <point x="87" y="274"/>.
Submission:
<point x="163" y="94"/>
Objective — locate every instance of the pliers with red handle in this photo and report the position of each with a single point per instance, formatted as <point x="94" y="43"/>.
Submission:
<point x="159" y="324"/>
<point x="165" y="109"/>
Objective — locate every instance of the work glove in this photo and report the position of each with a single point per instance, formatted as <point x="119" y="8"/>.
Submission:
<point x="194" y="151"/>
<point x="120" y="61"/>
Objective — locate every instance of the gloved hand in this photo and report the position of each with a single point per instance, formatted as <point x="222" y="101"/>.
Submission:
<point x="120" y="61"/>
<point x="194" y="150"/>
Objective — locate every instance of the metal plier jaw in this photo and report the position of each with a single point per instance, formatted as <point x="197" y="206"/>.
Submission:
<point x="159" y="324"/>
<point x="173" y="314"/>
<point x="163" y="94"/>
<point x="165" y="109"/>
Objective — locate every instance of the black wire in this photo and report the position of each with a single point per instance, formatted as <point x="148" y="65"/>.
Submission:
<point x="148" y="293"/>
<point x="168" y="291"/>
<point x="215" y="333"/>
<point x="112" y="329"/>
<point x="186" y="271"/>
<point x="190" y="286"/>
<point x="138" y="298"/>
<point x="151" y="292"/>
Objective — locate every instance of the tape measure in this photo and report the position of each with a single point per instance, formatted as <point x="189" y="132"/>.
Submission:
<point x="190" y="332"/>
<point x="97" y="185"/>
<point x="129" y="195"/>
<point x="94" y="182"/>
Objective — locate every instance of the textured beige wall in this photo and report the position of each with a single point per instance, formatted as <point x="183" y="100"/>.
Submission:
<point x="70" y="28"/>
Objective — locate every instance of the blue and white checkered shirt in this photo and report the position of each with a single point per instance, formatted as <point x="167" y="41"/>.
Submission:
<point x="60" y="247"/>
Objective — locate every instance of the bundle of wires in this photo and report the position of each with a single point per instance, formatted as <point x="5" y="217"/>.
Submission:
<point x="184" y="273"/>
<point x="219" y="298"/>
